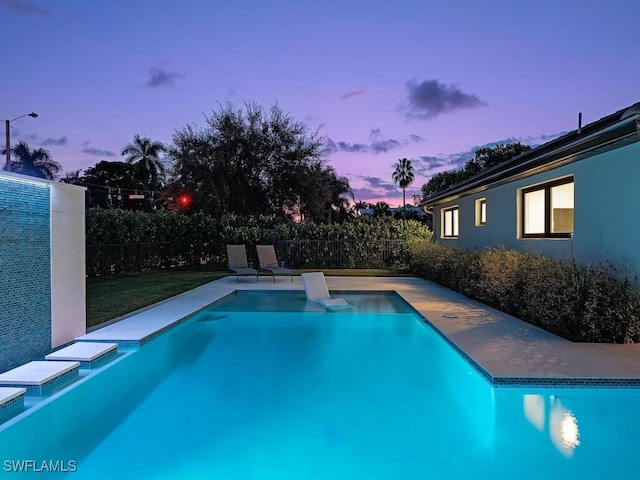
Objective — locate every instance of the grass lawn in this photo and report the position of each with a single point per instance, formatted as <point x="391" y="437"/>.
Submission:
<point x="114" y="297"/>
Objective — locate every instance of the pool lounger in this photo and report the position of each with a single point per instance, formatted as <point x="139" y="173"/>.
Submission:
<point x="269" y="262"/>
<point x="315" y="288"/>
<point x="237" y="262"/>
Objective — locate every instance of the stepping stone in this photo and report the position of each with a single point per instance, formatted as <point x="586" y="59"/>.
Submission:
<point x="89" y="354"/>
<point x="11" y="402"/>
<point x="40" y="377"/>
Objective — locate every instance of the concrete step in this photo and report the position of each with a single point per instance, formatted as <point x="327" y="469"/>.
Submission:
<point x="89" y="354"/>
<point x="11" y="402"/>
<point x="40" y="377"/>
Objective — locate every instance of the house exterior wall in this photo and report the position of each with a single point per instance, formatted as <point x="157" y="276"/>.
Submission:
<point x="42" y="267"/>
<point x="606" y="212"/>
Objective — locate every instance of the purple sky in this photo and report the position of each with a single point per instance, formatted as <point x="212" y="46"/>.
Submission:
<point x="422" y="79"/>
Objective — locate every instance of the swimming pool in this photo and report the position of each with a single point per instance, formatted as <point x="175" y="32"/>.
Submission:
<point x="270" y="386"/>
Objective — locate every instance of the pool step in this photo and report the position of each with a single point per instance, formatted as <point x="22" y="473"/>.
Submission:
<point x="11" y="402"/>
<point x="89" y="354"/>
<point x="40" y="377"/>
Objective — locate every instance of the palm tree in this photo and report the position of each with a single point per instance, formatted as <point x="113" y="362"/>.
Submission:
<point x="341" y="191"/>
<point x="380" y="209"/>
<point x="403" y="175"/>
<point x="360" y="205"/>
<point x="145" y="155"/>
<point x="74" y="177"/>
<point x="36" y="163"/>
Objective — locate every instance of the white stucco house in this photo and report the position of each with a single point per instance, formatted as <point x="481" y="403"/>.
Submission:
<point x="576" y="195"/>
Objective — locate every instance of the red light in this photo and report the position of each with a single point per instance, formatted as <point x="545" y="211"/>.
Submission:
<point x="184" y="200"/>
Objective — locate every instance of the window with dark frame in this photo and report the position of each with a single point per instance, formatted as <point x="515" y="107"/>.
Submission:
<point x="547" y="210"/>
<point x="450" y="222"/>
<point x="482" y="211"/>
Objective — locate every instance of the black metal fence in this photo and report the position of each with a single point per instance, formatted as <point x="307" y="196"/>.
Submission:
<point x="135" y="258"/>
<point x="342" y="253"/>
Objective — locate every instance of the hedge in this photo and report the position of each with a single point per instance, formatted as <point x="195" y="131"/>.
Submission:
<point x="582" y="303"/>
<point x="201" y="240"/>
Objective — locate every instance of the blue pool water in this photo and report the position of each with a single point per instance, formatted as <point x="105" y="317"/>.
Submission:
<point x="251" y="388"/>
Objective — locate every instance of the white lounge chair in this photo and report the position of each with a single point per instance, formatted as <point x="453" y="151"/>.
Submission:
<point x="237" y="262"/>
<point x="315" y="287"/>
<point x="269" y="262"/>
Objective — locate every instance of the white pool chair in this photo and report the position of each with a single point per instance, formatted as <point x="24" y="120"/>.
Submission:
<point x="315" y="287"/>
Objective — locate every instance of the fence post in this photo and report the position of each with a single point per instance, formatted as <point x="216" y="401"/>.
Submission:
<point x="102" y="267"/>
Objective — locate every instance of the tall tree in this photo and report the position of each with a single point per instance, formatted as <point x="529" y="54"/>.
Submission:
<point x="484" y="159"/>
<point x="488" y="157"/>
<point x="403" y="175"/>
<point x="109" y="183"/>
<point x="341" y="192"/>
<point x="74" y="177"/>
<point x="251" y="162"/>
<point x="441" y="181"/>
<point x="145" y="155"/>
<point x="36" y="162"/>
<point x="359" y="206"/>
<point x="381" y="209"/>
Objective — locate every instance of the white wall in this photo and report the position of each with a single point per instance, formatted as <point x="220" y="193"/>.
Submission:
<point x="606" y="216"/>
<point x="68" y="284"/>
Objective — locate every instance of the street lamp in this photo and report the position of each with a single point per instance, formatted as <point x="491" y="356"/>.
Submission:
<point x="8" y="146"/>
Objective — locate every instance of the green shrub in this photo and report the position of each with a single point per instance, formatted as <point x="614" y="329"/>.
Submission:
<point x="113" y="226"/>
<point x="595" y="303"/>
<point x="201" y="239"/>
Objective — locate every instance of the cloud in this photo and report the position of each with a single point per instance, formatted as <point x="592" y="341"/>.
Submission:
<point x="352" y="147"/>
<point x="380" y="145"/>
<point x="368" y="194"/>
<point x="230" y="92"/>
<point x="96" y="151"/>
<point x="431" y="162"/>
<point x="416" y="138"/>
<point x="532" y="140"/>
<point x="379" y="183"/>
<point x="431" y="98"/>
<point x="24" y="7"/>
<point x="377" y="144"/>
<point x="46" y="142"/>
<point x="376" y="188"/>
<point x="54" y="141"/>
<point x="350" y="95"/>
<point x="428" y="166"/>
<point x="159" y="77"/>
<point x="330" y="147"/>
<point x="373" y="193"/>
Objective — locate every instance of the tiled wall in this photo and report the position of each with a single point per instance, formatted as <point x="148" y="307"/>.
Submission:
<point x="25" y="271"/>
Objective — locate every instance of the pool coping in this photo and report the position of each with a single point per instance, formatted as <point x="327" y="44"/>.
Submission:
<point x="40" y="377"/>
<point x="88" y="354"/>
<point x="506" y="351"/>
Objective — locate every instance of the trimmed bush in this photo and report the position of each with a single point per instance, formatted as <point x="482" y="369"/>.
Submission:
<point x="180" y="240"/>
<point x="582" y="303"/>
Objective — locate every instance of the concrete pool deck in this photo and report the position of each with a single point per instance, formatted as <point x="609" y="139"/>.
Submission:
<point x="510" y="351"/>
